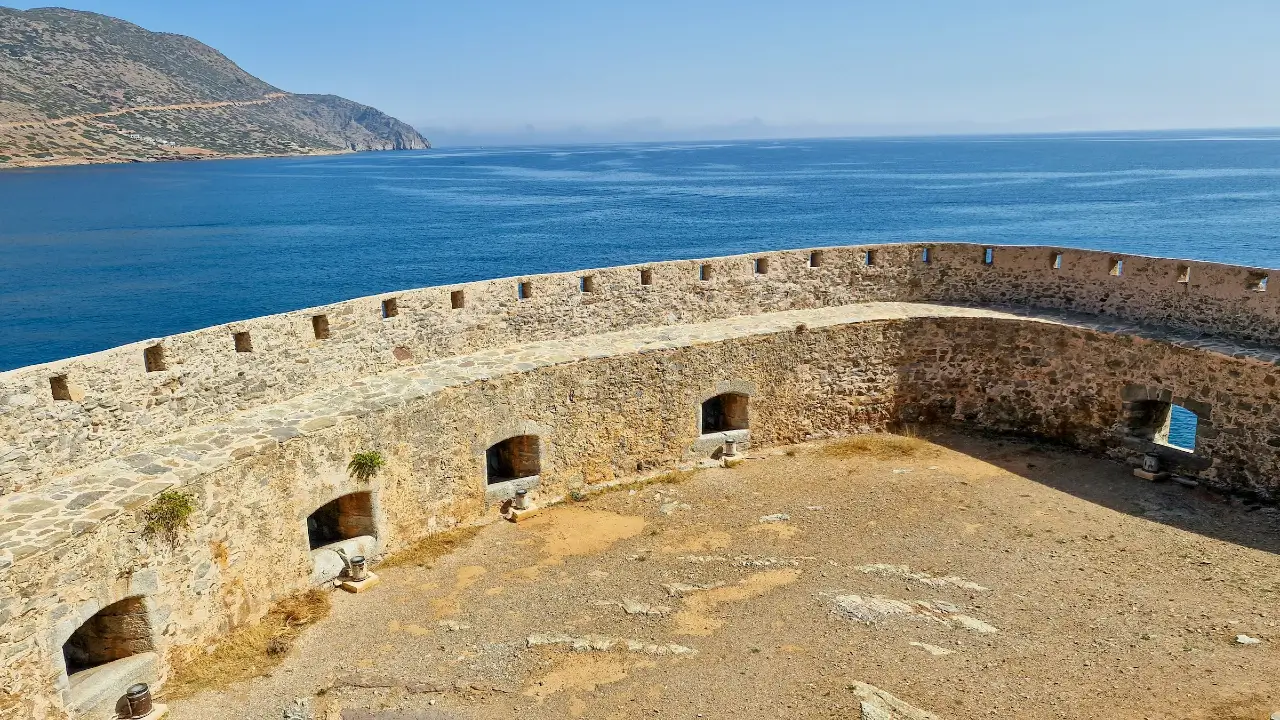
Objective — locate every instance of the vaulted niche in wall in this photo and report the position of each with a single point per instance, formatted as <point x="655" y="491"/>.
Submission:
<point x="346" y="517"/>
<point x="724" y="412"/>
<point x="116" y="632"/>
<point x="1165" y="424"/>
<point x="513" y="458"/>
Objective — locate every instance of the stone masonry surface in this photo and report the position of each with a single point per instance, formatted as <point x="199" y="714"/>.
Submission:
<point x="827" y="342"/>
<point x="113" y="405"/>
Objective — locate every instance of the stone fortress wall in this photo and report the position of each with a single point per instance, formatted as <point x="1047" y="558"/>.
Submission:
<point x="111" y="404"/>
<point x="608" y="369"/>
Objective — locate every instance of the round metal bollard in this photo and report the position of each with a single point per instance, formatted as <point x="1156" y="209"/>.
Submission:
<point x="359" y="570"/>
<point x="521" y="501"/>
<point x="139" y="698"/>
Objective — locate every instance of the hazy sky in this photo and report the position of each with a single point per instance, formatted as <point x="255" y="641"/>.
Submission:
<point x="721" y="67"/>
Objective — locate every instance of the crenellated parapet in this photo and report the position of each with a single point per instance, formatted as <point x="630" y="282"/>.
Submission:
<point x="61" y="416"/>
<point x="557" y="383"/>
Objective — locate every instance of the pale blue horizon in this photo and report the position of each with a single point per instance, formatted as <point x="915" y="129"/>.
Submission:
<point x="571" y="70"/>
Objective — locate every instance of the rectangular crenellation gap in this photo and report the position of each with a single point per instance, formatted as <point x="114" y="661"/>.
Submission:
<point x="320" y="326"/>
<point x="587" y="284"/>
<point x="1117" y="267"/>
<point x="869" y="258"/>
<point x="457" y="300"/>
<point x="153" y="358"/>
<point x="390" y="308"/>
<point x="815" y="258"/>
<point x="1184" y="274"/>
<point x="762" y="266"/>
<point x="524" y="289"/>
<point x="243" y="342"/>
<point x="926" y="255"/>
<point x="1057" y="261"/>
<point x="1258" y="282"/>
<point x="704" y="272"/>
<point x="988" y="256"/>
<point x="61" y="390"/>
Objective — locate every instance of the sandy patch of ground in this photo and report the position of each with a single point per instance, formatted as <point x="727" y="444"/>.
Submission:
<point x="570" y="531"/>
<point x="583" y="673"/>
<point x="696" y="617"/>
<point x="968" y="579"/>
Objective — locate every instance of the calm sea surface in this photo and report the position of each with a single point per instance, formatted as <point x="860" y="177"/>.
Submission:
<point x="93" y="257"/>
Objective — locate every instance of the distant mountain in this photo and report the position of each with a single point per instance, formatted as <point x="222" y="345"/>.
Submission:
<point x="78" y="87"/>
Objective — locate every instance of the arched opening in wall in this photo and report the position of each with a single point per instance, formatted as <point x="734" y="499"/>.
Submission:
<point x="512" y="459"/>
<point x="117" y="632"/>
<point x="347" y="517"/>
<point x="724" y="412"/>
<point x="1164" y="423"/>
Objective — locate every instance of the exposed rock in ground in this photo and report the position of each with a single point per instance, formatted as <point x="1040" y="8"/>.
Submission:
<point x="601" y="643"/>
<point x="430" y="714"/>
<point x="299" y="710"/>
<point x="876" y="704"/>
<point x="677" y="589"/>
<point x="923" y="578"/>
<point x="932" y="649"/>
<point x="636" y="607"/>
<point x="876" y="609"/>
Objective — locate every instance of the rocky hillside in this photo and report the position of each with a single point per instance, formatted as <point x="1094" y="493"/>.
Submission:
<point x="78" y="87"/>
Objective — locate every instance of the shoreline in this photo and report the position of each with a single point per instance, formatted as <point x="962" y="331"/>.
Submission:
<point x="180" y="158"/>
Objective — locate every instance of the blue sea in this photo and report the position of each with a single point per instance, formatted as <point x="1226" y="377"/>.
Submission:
<point x="93" y="257"/>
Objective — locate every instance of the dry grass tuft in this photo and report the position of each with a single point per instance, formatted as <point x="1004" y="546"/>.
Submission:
<point x="881" y="446"/>
<point x="427" y="550"/>
<point x="250" y="651"/>
<point x="671" y="477"/>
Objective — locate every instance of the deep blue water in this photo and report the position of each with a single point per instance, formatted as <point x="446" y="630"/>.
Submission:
<point x="93" y="257"/>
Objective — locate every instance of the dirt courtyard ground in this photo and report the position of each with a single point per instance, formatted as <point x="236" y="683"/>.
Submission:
<point x="971" y="578"/>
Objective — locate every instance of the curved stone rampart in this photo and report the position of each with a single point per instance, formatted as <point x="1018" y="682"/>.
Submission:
<point x="107" y="403"/>
<point x="611" y="383"/>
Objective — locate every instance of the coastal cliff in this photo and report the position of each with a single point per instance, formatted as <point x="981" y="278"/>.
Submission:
<point x="78" y="87"/>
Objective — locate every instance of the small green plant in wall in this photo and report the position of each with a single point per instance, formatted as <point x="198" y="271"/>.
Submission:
<point x="166" y="517"/>
<point x="364" y="465"/>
